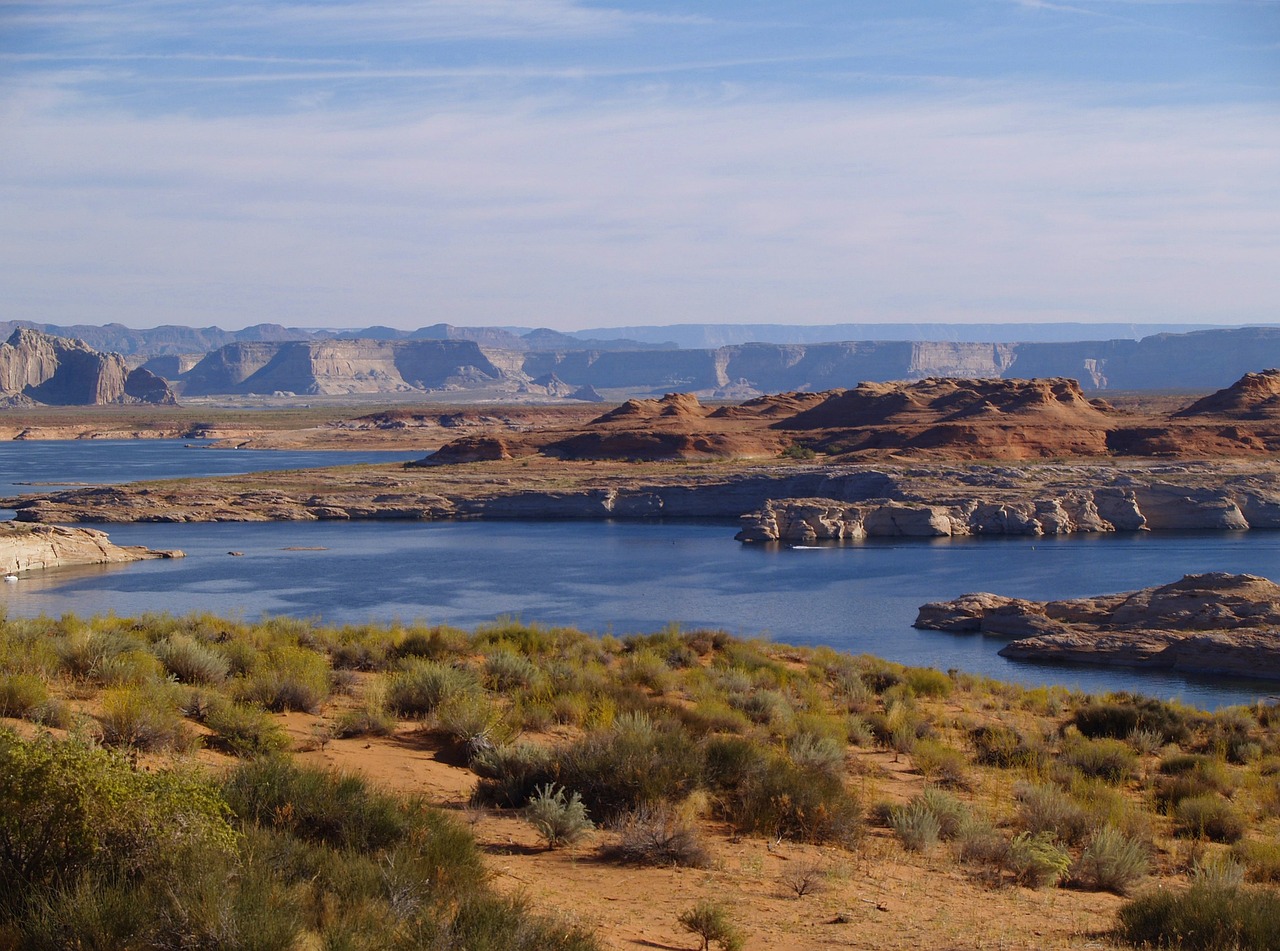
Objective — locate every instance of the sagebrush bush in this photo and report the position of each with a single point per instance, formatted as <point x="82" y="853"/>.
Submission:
<point x="1037" y="860"/>
<point x="1112" y="862"/>
<point x="1209" y="816"/>
<point x="941" y="764"/>
<point x="286" y="678"/>
<point x="190" y="662"/>
<point x="916" y="827"/>
<point x="1113" y="761"/>
<point x="1119" y="715"/>
<point x="1203" y="918"/>
<point x="711" y="921"/>
<point x="422" y="685"/>
<point x="1260" y="858"/>
<point x="813" y="751"/>
<point x="144" y="719"/>
<point x="1048" y="809"/>
<point x="22" y="695"/>
<point x="560" y="819"/>
<point x="243" y="730"/>
<point x="1003" y="746"/>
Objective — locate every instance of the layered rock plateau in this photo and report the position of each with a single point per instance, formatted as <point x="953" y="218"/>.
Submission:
<point x="1213" y="623"/>
<point x="38" y="368"/>
<point x="31" y="547"/>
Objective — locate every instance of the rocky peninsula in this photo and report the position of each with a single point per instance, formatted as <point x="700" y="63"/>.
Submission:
<point x="1214" y="623"/>
<point x="30" y="547"/>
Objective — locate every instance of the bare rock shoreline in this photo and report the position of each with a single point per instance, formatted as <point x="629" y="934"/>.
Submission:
<point x="1214" y="623"/>
<point x="29" y="547"/>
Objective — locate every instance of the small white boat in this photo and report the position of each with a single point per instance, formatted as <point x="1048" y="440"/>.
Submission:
<point x="11" y="578"/>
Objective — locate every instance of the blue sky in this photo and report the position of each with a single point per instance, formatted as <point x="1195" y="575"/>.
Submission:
<point x="572" y="164"/>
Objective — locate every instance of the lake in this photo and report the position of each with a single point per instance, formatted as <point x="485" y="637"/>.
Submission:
<point x="622" y="577"/>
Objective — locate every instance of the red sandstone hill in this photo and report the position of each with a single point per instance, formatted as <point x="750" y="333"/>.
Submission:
<point x="1253" y="396"/>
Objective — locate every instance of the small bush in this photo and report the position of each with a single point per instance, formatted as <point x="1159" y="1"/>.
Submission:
<point x="1204" y="918"/>
<point x="813" y="751"/>
<point x="423" y="685"/>
<point x="560" y="820"/>
<point x="510" y="773"/>
<point x="1120" y="715"/>
<point x="244" y="730"/>
<point x="144" y="719"/>
<point x="1210" y="817"/>
<point x="21" y="695"/>
<point x="1047" y="809"/>
<point x="710" y="921"/>
<point x="951" y="813"/>
<point x="287" y="678"/>
<point x="916" y="827"/>
<point x="190" y="662"/>
<point x="1112" y="862"/>
<point x="506" y="670"/>
<point x="1036" y="860"/>
<point x="1113" y="761"/>
<point x="927" y="682"/>
<point x="659" y="835"/>
<point x="941" y="764"/>
<point x="1003" y="746"/>
<point x="1260" y="858"/>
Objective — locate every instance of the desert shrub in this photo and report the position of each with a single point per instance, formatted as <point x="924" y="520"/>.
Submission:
<point x="927" y="682"/>
<point x="144" y="719"/>
<point x="916" y="827"/>
<point x="711" y="921"/>
<point x="659" y="835"/>
<point x="287" y="678"/>
<point x="83" y="652"/>
<point x="1003" y="746"/>
<point x="489" y="922"/>
<point x="1185" y="775"/>
<point x="1203" y="918"/>
<point x="473" y="722"/>
<point x="1107" y="759"/>
<point x="504" y="670"/>
<point x="1048" y="809"/>
<point x="1036" y="859"/>
<point x="559" y="819"/>
<point x="647" y="668"/>
<point x="1260" y="858"/>
<point x="1111" y="862"/>
<point x="766" y="707"/>
<point x="22" y="695"/>
<point x="816" y="752"/>
<point x="1120" y="714"/>
<point x="1145" y="742"/>
<point x="338" y="809"/>
<point x="1210" y="817"/>
<point x="979" y="842"/>
<point x="190" y="662"/>
<point x="859" y="730"/>
<point x="775" y="797"/>
<point x="1230" y="733"/>
<point x="244" y="730"/>
<point x="67" y="809"/>
<point x="633" y="762"/>
<point x="364" y="721"/>
<point x="941" y="764"/>
<point x="510" y="773"/>
<point x="423" y="685"/>
<point x="951" y="813"/>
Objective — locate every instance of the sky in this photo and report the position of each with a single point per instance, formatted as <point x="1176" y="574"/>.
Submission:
<point x="587" y="163"/>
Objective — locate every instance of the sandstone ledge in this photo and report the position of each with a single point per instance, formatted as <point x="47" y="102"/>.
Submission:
<point x="27" y="547"/>
<point x="1213" y="623"/>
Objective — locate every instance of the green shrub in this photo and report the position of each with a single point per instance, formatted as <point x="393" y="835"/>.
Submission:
<point x="1112" y="862"/>
<point x="22" y="695"/>
<point x="559" y="819"/>
<point x="927" y="682"/>
<point x="815" y="752"/>
<point x="190" y="662"/>
<point x="916" y="827"/>
<point x="659" y="835"/>
<point x="1003" y="746"/>
<point x="1210" y="817"/>
<point x="1121" y="714"/>
<point x="504" y="670"/>
<point x="710" y="921"/>
<point x="1107" y="759"/>
<point x="492" y="923"/>
<point x="1036" y="860"/>
<point x="287" y="678"/>
<point x="773" y="796"/>
<point x="1260" y="857"/>
<point x="67" y="809"/>
<point x="510" y="773"/>
<point x="473" y="722"/>
<point x="1047" y="809"/>
<point x="951" y="813"/>
<point x="244" y="730"/>
<point x="338" y="809"/>
<point x="941" y="764"/>
<point x="423" y="685"/>
<point x="144" y="719"/>
<point x="1204" y="918"/>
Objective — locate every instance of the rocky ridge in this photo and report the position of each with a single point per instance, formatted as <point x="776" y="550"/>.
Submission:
<point x="30" y="547"/>
<point x="1214" y="623"/>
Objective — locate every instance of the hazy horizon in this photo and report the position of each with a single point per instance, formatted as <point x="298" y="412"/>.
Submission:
<point x="573" y="164"/>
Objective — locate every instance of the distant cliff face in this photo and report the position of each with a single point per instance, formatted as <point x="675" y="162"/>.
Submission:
<point x="336" y="367"/>
<point x="1203" y="360"/>
<point x="53" y="370"/>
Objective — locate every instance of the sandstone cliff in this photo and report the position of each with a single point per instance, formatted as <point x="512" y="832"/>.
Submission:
<point x="1212" y="623"/>
<point x="56" y="371"/>
<point x="25" y="547"/>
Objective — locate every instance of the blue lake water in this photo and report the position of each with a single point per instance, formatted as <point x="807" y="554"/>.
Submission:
<point x="625" y="577"/>
<point x="54" y="464"/>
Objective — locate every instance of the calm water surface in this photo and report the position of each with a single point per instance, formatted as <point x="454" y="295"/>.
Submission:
<point x="624" y="577"/>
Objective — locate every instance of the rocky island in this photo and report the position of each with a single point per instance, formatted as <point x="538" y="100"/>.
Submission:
<point x="1214" y="623"/>
<point x="30" y="547"/>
